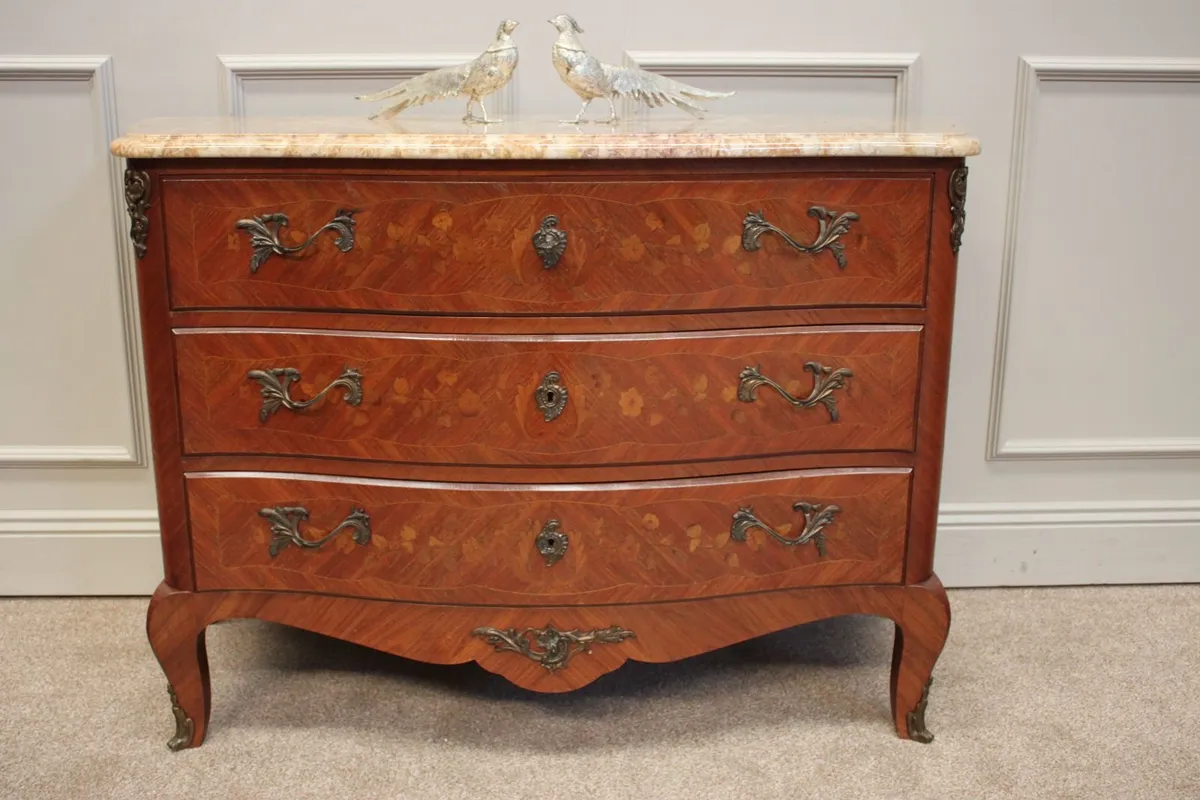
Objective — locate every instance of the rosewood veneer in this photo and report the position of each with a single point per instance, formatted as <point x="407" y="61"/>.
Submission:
<point x="545" y="415"/>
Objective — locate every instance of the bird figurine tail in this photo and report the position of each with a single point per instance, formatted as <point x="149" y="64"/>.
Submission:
<point x="422" y="89"/>
<point x="658" y="90"/>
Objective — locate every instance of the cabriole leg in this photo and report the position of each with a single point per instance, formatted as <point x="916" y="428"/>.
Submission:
<point x="177" y="638"/>
<point x="920" y="636"/>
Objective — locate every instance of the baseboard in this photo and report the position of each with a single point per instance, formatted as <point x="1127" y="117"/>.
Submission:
<point x="1057" y="544"/>
<point x="79" y="553"/>
<point x="979" y="544"/>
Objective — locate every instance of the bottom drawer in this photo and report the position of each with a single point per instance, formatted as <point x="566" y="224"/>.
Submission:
<point x="534" y="545"/>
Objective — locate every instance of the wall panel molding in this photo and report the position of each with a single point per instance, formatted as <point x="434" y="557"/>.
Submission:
<point x="901" y="68"/>
<point x="237" y="70"/>
<point x="96" y="70"/>
<point x="1031" y="72"/>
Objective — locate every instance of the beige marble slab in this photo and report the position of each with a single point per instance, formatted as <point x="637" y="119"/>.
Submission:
<point x="654" y="137"/>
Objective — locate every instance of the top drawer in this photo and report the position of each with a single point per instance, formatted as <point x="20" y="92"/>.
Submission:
<point x="632" y="246"/>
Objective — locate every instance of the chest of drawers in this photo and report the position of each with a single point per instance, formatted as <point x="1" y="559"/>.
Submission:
<point x="545" y="401"/>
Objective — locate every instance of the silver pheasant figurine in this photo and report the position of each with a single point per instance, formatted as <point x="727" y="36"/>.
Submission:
<point x="487" y="74"/>
<point x="590" y="78"/>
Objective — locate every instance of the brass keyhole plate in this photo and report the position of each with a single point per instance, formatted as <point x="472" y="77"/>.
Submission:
<point x="551" y="396"/>
<point x="552" y="542"/>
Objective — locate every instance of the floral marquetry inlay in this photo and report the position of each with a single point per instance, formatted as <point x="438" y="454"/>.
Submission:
<point x="511" y="414"/>
<point x="631" y="402"/>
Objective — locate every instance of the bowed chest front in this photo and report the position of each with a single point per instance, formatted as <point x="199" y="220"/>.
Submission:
<point x="547" y="400"/>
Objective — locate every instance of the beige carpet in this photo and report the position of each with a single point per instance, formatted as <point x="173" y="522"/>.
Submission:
<point x="1046" y="693"/>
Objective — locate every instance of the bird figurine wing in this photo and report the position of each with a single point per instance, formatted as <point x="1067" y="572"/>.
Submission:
<point x="591" y="79"/>
<point x="425" y="88"/>
<point x="657" y="90"/>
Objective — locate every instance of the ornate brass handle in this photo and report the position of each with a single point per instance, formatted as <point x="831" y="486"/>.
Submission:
<point x="958" y="206"/>
<point x="549" y="242"/>
<point x="285" y="527"/>
<point x="549" y="646"/>
<point x="826" y="380"/>
<point x="551" y="396"/>
<point x="264" y="235"/>
<point x="816" y="518"/>
<point x="276" y="383"/>
<point x="552" y="542"/>
<point x="137" y="201"/>
<point x="754" y="226"/>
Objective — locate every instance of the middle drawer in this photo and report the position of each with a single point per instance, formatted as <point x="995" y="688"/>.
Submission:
<point x="547" y="400"/>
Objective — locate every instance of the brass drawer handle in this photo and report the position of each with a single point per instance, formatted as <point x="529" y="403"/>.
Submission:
<point x="264" y="235"/>
<point x="285" y="527"/>
<point x="826" y="380"/>
<point x="552" y="542"/>
<point x="276" y="383"/>
<point x="549" y="242"/>
<point x="549" y="646"/>
<point x="816" y="518"/>
<point x="754" y="226"/>
<point x="551" y="396"/>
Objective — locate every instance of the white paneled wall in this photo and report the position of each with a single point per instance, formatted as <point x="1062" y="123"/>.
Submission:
<point x="833" y="91"/>
<point x="67" y="305"/>
<point x="1073" y="446"/>
<point x="287" y="85"/>
<point x="1100" y="148"/>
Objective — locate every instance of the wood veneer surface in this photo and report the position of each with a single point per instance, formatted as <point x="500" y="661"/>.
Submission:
<point x="465" y="245"/>
<point x="442" y="275"/>
<point x="475" y="543"/>
<point x="471" y="399"/>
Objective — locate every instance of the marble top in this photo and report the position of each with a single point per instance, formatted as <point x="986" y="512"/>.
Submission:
<point x="414" y="137"/>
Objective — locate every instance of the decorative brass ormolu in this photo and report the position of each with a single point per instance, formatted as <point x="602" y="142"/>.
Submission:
<point x="549" y="242"/>
<point x="915" y="719"/>
<point x="285" y="527"/>
<point x="816" y="518"/>
<point x="551" y="396"/>
<point x="826" y="380"/>
<point x="552" y="542"/>
<point x="276" y="383"/>
<point x="137" y="200"/>
<point x="264" y="235"/>
<point x="549" y="646"/>
<point x="184" y="727"/>
<point x="754" y="226"/>
<point x="958" y="206"/>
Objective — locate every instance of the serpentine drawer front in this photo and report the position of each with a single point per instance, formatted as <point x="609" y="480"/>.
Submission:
<point x="548" y="400"/>
<point x="478" y="543"/>
<point x="550" y="247"/>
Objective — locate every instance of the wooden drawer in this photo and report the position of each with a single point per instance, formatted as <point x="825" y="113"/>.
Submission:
<point x="478" y="543"/>
<point x="446" y="245"/>
<point x="475" y="399"/>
